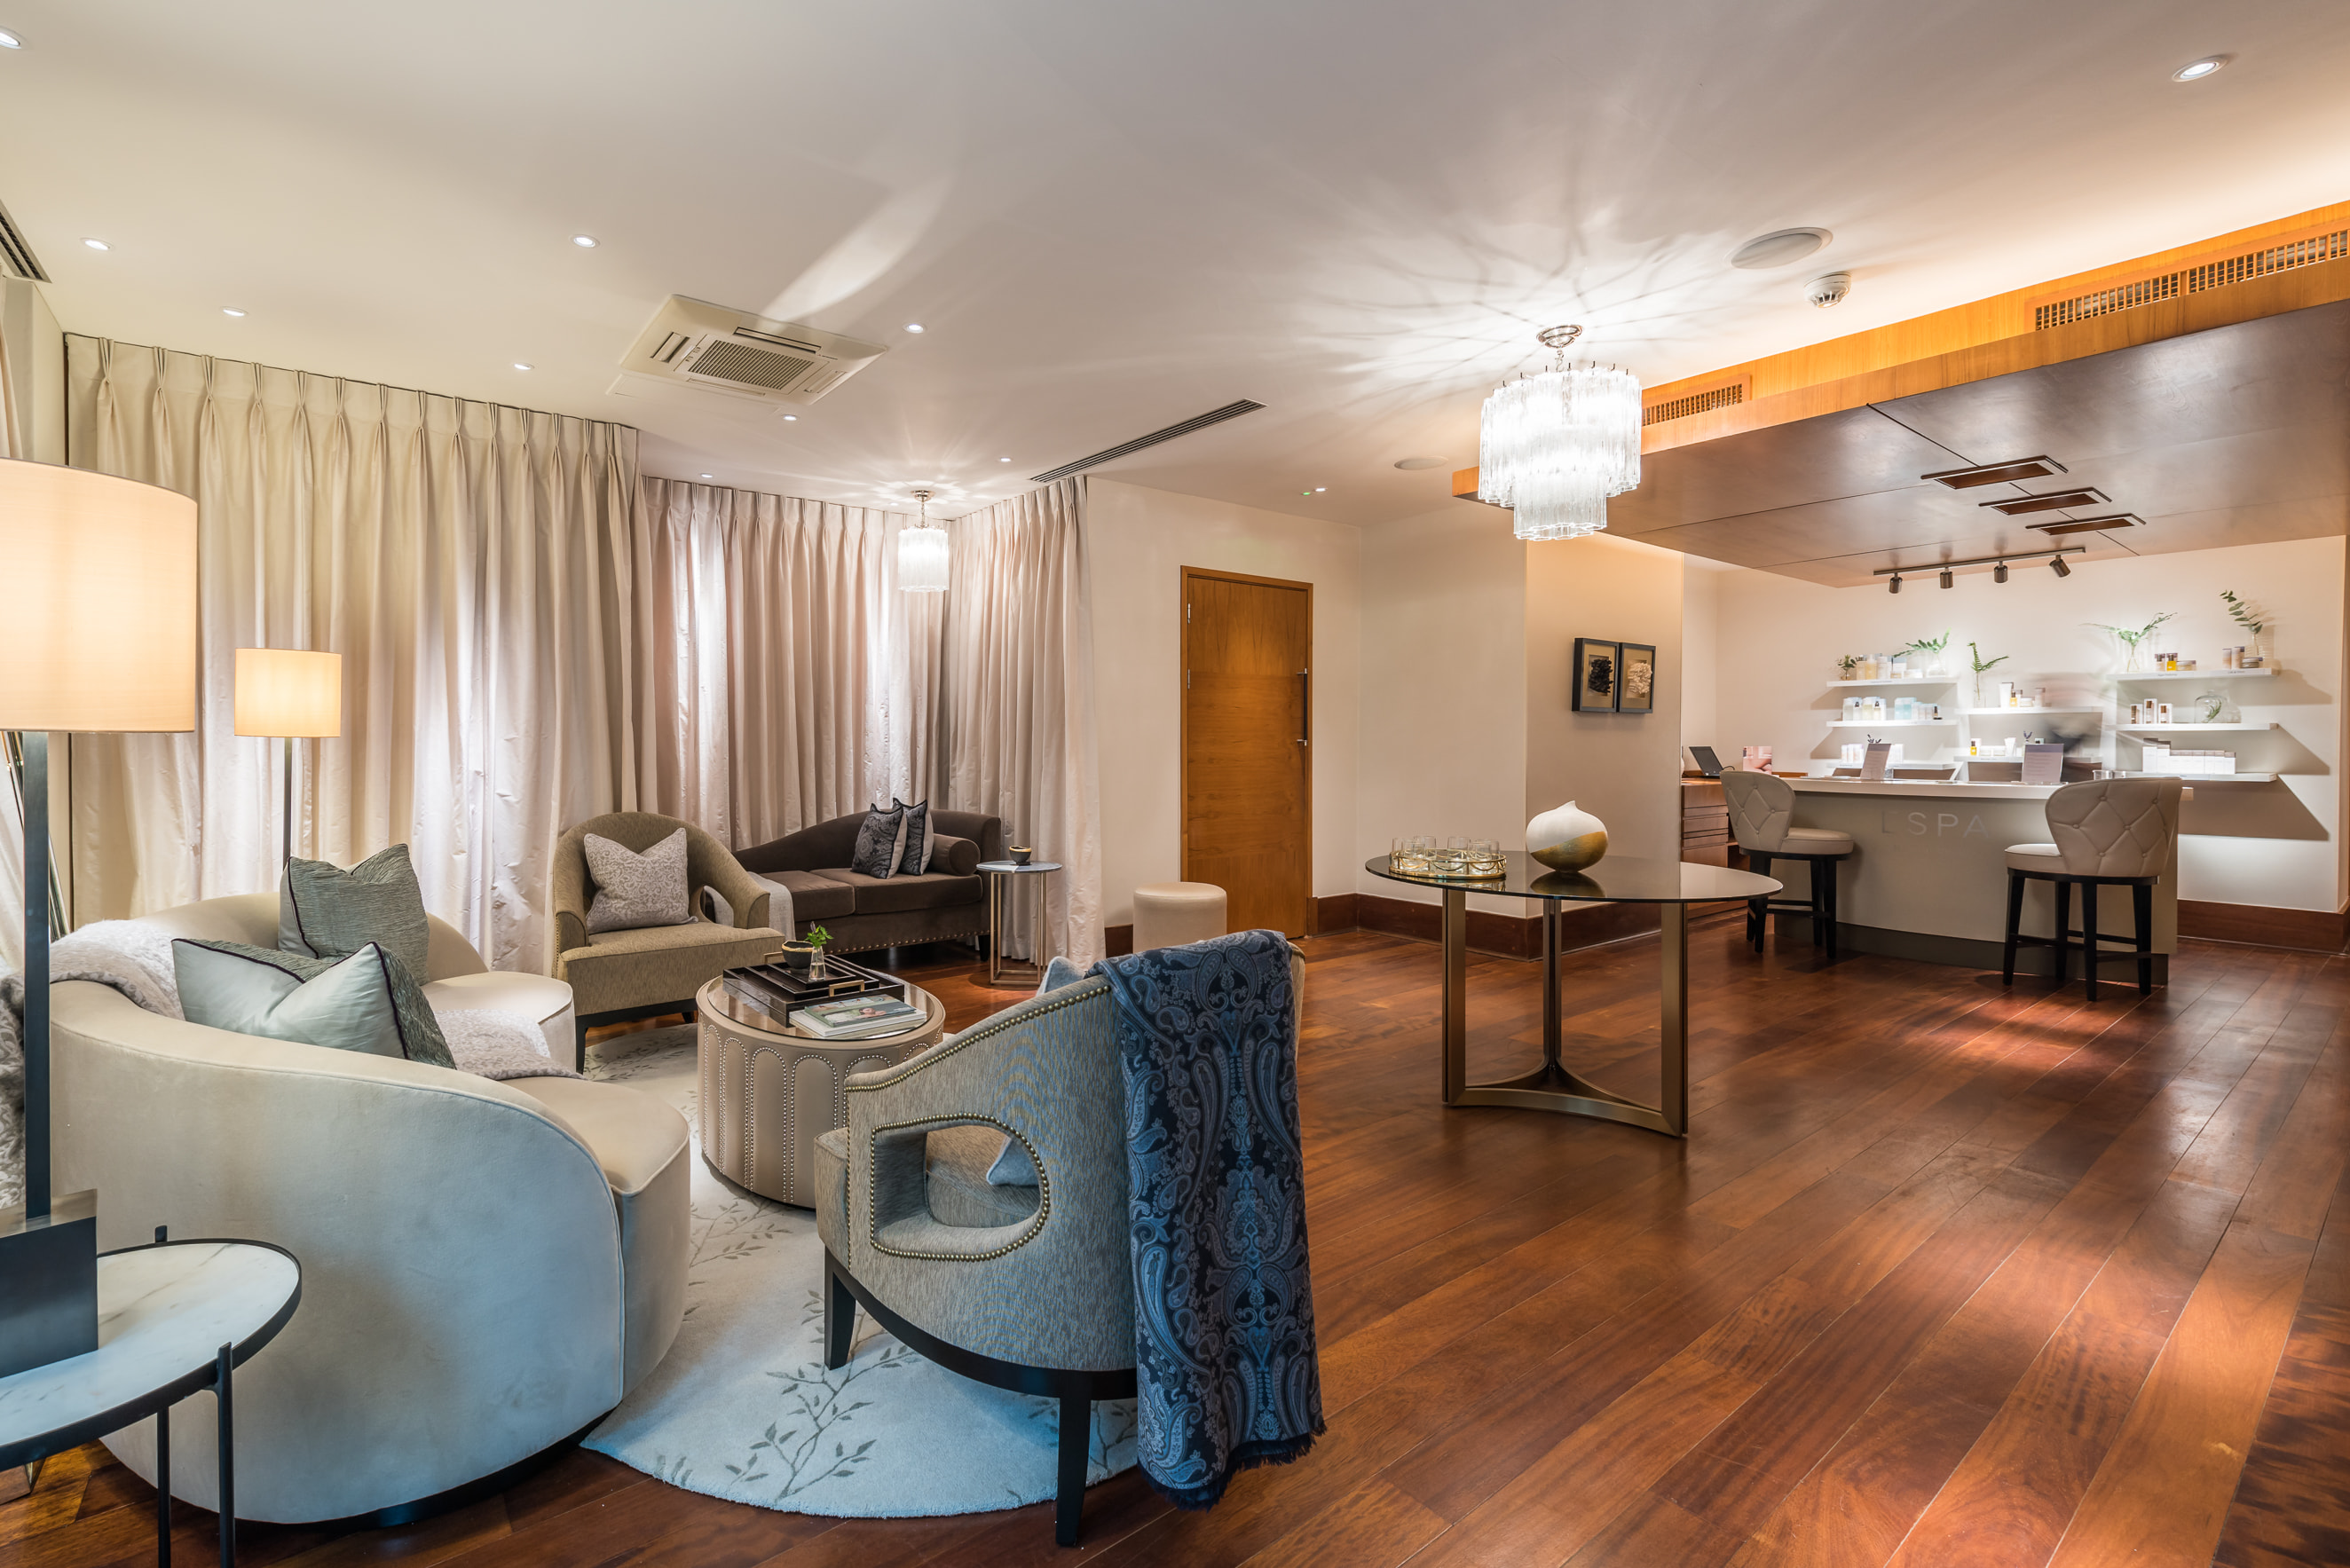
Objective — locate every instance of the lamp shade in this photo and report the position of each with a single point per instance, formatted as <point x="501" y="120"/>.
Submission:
<point x="280" y="691"/>
<point x="98" y="632"/>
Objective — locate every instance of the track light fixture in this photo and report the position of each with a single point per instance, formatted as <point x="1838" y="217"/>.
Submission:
<point x="1947" y="580"/>
<point x="2056" y="565"/>
<point x="1999" y="573"/>
<point x="1895" y="586"/>
<point x="1943" y="570"/>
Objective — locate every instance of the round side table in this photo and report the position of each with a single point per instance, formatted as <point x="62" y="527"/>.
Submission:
<point x="1004" y="876"/>
<point x="173" y="1318"/>
<point x="768" y="1091"/>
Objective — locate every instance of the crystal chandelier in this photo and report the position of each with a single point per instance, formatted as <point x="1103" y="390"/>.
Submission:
<point x="922" y="553"/>
<point x="1553" y="447"/>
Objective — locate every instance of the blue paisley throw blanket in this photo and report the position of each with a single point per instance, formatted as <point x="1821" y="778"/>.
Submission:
<point x="1223" y="1316"/>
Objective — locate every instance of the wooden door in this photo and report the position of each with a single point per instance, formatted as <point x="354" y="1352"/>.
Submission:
<point x="1248" y="752"/>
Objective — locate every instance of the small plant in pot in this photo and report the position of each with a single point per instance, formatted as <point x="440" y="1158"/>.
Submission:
<point x="806" y="953"/>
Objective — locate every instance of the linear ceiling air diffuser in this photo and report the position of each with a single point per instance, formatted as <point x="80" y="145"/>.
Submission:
<point x="17" y="252"/>
<point x="1196" y="422"/>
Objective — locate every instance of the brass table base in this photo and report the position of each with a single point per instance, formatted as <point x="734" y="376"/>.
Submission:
<point x="1551" y="1086"/>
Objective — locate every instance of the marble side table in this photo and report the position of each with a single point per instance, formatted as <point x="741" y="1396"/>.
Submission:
<point x="173" y="1317"/>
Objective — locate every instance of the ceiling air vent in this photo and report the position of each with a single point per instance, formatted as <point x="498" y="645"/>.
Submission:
<point x="743" y="355"/>
<point x="16" y="254"/>
<point x="2055" y="501"/>
<point x="1695" y="403"/>
<point x="2307" y="249"/>
<point x="2062" y="526"/>
<point x="1996" y="472"/>
<point x="1196" y="422"/>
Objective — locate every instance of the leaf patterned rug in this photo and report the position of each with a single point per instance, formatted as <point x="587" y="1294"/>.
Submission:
<point x="742" y="1408"/>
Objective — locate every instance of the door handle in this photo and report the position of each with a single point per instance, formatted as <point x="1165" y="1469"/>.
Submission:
<point x="1306" y="707"/>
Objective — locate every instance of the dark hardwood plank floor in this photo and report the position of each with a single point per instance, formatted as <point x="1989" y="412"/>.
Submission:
<point x="1945" y="1273"/>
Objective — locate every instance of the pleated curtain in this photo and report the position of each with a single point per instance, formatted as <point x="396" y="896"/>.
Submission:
<point x="12" y="821"/>
<point x="467" y="559"/>
<point x="784" y="679"/>
<point x="1016" y="699"/>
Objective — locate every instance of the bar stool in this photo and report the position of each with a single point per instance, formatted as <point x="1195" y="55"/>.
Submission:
<point x="1762" y="818"/>
<point x="2108" y="833"/>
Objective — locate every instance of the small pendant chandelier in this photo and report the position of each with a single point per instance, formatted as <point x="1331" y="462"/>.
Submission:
<point x="1554" y="446"/>
<point x="922" y="553"/>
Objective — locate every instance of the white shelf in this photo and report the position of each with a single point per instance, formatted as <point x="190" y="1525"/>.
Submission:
<point x="2186" y="729"/>
<point x="2203" y="674"/>
<point x="1887" y="723"/>
<point x="1903" y="680"/>
<point x="2027" y="712"/>
<point x="2195" y="779"/>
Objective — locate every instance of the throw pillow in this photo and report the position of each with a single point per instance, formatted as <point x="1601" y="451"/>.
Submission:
<point x="880" y="843"/>
<point x="633" y="891"/>
<point x="1012" y="1168"/>
<point x="324" y="911"/>
<point x="914" y="857"/>
<point x="368" y="1001"/>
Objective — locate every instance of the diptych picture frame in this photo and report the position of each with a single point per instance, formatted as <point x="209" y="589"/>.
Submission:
<point x="1613" y="677"/>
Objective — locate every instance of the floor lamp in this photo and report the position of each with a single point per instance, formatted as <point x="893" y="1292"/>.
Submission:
<point x="282" y="692"/>
<point x="100" y="635"/>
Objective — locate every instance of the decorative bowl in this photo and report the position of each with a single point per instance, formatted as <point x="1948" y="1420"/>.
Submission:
<point x="1021" y="854"/>
<point x="1566" y="839"/>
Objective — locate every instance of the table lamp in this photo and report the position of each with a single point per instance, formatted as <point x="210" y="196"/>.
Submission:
<point x="99" y="636"/>
<point x="283" y="693"/>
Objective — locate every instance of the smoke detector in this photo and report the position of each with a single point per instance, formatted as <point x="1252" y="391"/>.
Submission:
<point x="745" y="356"/>
<point x="1828" y="289"/>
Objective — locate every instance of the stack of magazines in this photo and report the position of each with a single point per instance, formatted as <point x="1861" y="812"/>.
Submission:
<point x="859" y="1018"/>
<point x="776" y="991"/>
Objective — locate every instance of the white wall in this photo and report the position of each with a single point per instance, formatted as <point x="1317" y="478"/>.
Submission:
<point x="1138" y="542"/>
<point x="1444" y="688"/>
<point x="1700" y="642"/>
<point x="1623" y="767"/>
<point x="2249" y="843"/>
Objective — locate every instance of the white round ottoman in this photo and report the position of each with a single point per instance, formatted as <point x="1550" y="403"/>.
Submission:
<point x="1168" y="914"/>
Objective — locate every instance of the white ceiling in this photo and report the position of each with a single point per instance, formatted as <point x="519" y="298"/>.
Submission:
<point x="1110" y="217"/>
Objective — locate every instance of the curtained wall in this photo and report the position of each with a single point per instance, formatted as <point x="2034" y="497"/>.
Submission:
<point x="531" y="634"/>
<point x="468" y="560"/>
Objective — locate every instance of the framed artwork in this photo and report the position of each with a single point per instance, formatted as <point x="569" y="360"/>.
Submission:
<point x="1636" y="678"/>
<point x="1594" y="676"/>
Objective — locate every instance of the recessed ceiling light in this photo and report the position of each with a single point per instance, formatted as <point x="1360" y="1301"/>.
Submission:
<point x="230" y="310"/>
<point x="2195" y="70"/>
<point x="520" y="366"/>
<point x="585" y="242"/>
<point x="788" y="418"/>
<point x="705" y="476"/>
<point x="1320" y="488"/>
<point x="9" y="40"/>
<point x="913" y="327"/>
<point x="1782" y="247"/>
<point x="97" y="244"/>
<point x="1004" y="460"/>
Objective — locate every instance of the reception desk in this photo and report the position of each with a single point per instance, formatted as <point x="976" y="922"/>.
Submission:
<point x="1928" y="877"/>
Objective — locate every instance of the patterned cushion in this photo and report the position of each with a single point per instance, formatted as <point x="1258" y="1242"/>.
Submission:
<point x="324" y="911"/>
<point x="880" y="843"/>
<point x="915" y="858"/>
<point x="634" y="891"/>
<point x="368" y="1001"/>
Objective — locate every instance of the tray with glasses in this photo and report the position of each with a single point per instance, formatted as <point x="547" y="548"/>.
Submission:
<point x="1472" y="859"/>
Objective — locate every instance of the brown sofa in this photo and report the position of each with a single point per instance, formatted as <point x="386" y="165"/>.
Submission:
<point x="947" y="903"/>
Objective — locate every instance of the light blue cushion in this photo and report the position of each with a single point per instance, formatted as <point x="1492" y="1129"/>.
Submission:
<point x="366" y="1002"/>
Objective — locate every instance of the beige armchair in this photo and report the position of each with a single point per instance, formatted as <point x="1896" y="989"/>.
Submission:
<point x="616" y="976"/>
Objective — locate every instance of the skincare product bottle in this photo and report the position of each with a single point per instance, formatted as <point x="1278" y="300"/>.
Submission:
<point x="2162" y="712"/>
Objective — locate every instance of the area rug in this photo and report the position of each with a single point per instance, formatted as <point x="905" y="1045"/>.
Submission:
<point x="742" y="1408"/>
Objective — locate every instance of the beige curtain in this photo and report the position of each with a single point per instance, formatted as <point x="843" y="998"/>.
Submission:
<point x="468" y="560"/>
<point x="786" y="679"/>
<point x="12" y="821"/>
<point x="1016" y="705"/>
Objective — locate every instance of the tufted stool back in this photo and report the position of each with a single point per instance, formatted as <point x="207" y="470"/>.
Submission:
<point x="1762" y="808"/>
<point x="2114" y="827"/>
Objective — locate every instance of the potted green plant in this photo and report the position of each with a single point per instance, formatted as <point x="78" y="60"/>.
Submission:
<point x="1974" y="657"/>
<point x="2133" y="642"/>
<point x="1931" y="647"/>
<point x="817" y="938"/>
<point x="1847" y="665"/>
<point x="2246" y="615"/>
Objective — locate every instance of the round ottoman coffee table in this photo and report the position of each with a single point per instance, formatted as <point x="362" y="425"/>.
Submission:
<point x="769" y="1092"/>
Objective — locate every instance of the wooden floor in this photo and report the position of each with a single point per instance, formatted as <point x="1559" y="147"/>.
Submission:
<point x="1944" y="1275"/>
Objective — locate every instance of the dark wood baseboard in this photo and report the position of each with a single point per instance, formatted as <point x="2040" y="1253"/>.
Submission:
<point x="2304" y="930"/>
<point x="1116" y="941"/>
<point x="1505" y="936"/>
<point x="1336" y="913"/>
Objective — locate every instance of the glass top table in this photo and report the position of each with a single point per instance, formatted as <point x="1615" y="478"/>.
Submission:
<point x="1672" y="885"/>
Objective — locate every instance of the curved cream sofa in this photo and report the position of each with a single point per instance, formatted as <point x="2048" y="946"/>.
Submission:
<point x="486" y="1267"/>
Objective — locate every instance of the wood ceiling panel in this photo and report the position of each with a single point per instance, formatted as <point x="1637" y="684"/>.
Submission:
<point x="1854" y="452"/>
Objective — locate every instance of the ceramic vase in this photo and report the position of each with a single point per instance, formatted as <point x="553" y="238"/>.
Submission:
<point x="1567" y="838"/>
